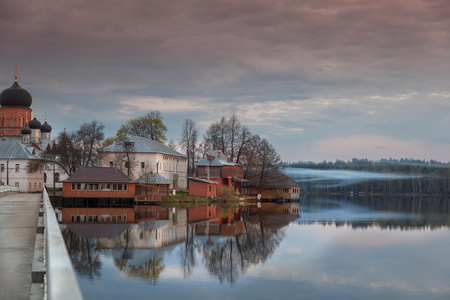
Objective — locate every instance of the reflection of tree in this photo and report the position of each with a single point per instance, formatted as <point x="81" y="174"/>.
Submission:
<point x="149" y="270"/>
<point x="262" y="236"/>
<point x="85" y="259"/>
<point x="187" y="255"/>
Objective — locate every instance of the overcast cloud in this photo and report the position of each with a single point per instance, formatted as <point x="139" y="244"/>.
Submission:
<point x="332" y="79"/>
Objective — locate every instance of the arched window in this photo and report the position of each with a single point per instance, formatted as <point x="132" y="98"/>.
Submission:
<point x="21" y="122"/>
<point x="3" y="121"/>
<point x="11" y="122"/>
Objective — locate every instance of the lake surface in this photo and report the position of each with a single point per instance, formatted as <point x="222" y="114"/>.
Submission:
<point x="317" y="248"/>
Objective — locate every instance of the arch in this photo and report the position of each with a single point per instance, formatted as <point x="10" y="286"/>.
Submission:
<point x="11" y="122"/>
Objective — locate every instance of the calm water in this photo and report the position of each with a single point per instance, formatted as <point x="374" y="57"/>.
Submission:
<point x="323" y="248"/>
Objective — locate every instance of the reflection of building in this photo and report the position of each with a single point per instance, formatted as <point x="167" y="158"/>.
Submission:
<point x="147" y="156"/>
<point x="98" y="215"/>
<point x="217" y="167"/>
<point x="278" y="208"/>
<point x="150" y="234"/>
<point x="22" y="140"/>
<point x="214" y="220"/>
<point x="95" y="185"/>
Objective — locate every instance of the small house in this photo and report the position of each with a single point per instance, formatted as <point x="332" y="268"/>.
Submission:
<point x="277" y="186"/>
<point x="98" y="187"/>
<point x="202" y="187"/>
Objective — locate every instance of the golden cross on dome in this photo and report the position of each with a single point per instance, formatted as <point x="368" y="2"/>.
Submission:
<point x="15" y="77"/>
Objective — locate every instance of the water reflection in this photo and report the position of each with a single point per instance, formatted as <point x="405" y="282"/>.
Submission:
<point x="308" y="248"/>
<point x="392" y="212"/>
<point x="228" y="239"/>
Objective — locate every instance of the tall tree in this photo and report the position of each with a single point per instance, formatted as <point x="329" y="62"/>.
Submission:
<point x="125" y="159"/>
<point x="90" y="136"/>
<point x="149" y="125"/>
<point x="188" y="141"/>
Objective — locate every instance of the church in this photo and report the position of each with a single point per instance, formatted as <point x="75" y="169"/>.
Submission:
<point x="21" y="140"/>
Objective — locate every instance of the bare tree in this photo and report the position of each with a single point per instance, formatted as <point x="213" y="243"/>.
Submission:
<point x="172" y="145"/>
<point x="125" y="159"/>
<point x="188" y="141"/>
<point x="73" y="150"/>
<point x="234" y="130"/>
<point x="90" y="136"/>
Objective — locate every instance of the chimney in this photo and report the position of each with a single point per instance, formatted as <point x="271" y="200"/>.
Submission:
<point x="228" y="159"/>
<point x="218" y="154"/>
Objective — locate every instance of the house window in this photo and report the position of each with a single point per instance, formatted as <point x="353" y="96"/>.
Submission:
<point x="56" y="177"/>
<point x="2" y="168"/>
<point x="21" y="122"/>
<point x="29" y="186"/>
<point x="106" y="186"/>
<point x="142" y="165"/>
<point x="17" y="167"/>
<point x="111" y="164"/>
<point x="81" y="186"/>
<point x="93" y="186"/>
<point x="16" y="184"/>
<point x="127" y="164"/>
<point x="11" y="122"/>
<point x="35" y="185"/>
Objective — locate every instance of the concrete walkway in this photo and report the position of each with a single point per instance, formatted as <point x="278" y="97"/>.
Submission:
<point x="19" y="215"/>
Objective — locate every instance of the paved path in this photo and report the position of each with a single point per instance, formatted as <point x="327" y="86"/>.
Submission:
<point x="19" y="215"/>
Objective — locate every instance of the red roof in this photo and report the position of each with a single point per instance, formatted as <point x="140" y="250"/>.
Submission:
<point x="98" y="174"/>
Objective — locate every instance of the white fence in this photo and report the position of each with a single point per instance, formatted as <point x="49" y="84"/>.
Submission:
<point x="61" y="280"/>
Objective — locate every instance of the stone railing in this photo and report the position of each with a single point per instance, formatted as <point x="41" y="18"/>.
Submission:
<point x="7" y="189"/>
<point x="61" y="280"/>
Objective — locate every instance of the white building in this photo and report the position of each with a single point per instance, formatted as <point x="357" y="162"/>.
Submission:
<point x="137" y="156"/>
<point x="14" y="160"/>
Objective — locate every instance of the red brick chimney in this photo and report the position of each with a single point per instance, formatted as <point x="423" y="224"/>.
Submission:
<point x="228" y="159"/>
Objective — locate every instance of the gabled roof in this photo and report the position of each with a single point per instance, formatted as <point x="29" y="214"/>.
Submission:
<point x="98" y="174"/>
<point x="14" y="149"/>
<point x="152" y="179"/>
<point x="142" y="145"/>
<point x="216" y="161"/>
<point x="278" y="180"/>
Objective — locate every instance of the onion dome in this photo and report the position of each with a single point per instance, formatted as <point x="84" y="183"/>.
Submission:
<point x="45" y="127"/>
<point x="15" y="96"/>
<point x="26" y="129"/>
<point x="35" y="124"/>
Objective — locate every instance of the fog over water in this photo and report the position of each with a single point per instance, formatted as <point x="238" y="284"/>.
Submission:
<point x="342" y="177"/>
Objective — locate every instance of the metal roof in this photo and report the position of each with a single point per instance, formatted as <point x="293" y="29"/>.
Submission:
<point x="98" y="174"/>
<point x="142" y="145"/>
<point x="152" y="179"/>
<point x="216" y="161"/>
<point x="14" y="149"/>
<point x="203" y="180"/>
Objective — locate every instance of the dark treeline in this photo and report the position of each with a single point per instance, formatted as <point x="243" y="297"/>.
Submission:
<point x="415" y="176"/>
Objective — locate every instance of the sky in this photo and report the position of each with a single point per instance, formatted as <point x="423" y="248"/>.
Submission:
<point x="319" y="79"/>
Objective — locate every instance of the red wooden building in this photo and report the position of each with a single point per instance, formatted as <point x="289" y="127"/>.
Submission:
<point x="217" y="167"/>
<point x="98" y="187"/>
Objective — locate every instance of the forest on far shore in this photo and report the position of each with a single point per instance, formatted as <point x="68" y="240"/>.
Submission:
<point x="418" y="176"/>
